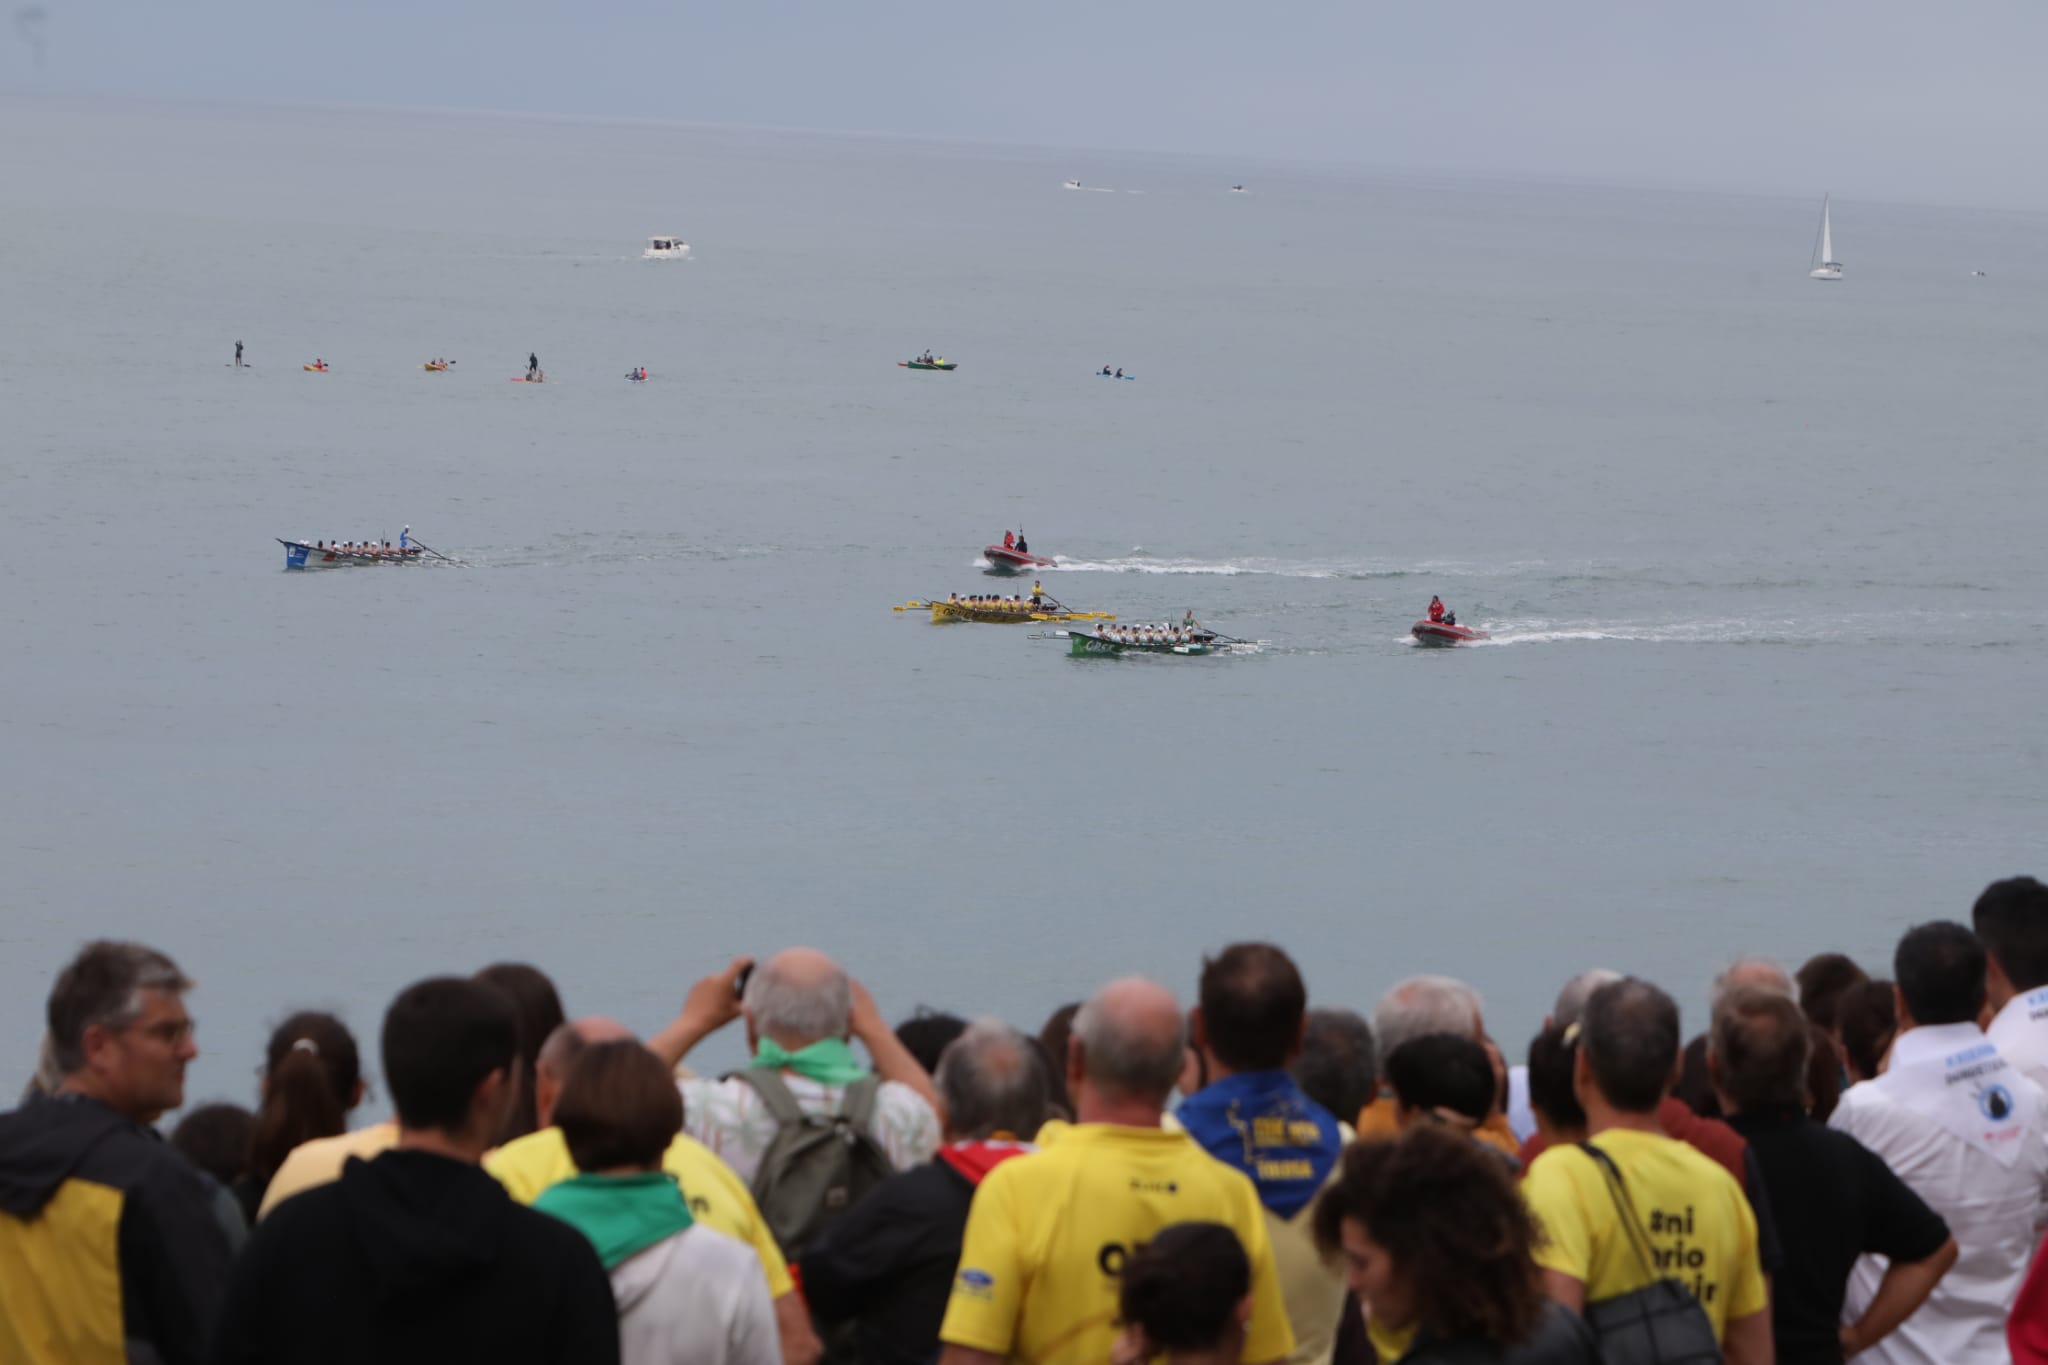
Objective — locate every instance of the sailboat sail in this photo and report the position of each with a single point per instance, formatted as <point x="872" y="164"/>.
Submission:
<point x="1825" y="266"/>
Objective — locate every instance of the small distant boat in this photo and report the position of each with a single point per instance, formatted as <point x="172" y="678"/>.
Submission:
<point x="1239" y="189"/>
<point x="1070" y="184"/>
<point x="1005" y="559"/>
<point x="1109" y="641"/>
<point x="437" y="366"/>
<point x="666" y="249"/>
<point x="317" y="367"/>
<point x="1105" y="374"/>
<point x="302" y="554"/>
<point x="1978" y="274"/>
<point x="1445" y="633"/>
<point x="1825" y="266"/>
<point x="940" y="364"/>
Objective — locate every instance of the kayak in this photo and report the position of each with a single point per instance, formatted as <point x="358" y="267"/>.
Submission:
<point x="430" y="365"/>
<point x="923" y="365"/>
<point x="1437" y="633"/>
<point x="1003" y="559"/>
<point x="317" y="369"/>
<point x="1115" y="376"/>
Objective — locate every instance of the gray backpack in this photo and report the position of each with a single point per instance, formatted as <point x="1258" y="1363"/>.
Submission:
<point x="819" y="1165"/>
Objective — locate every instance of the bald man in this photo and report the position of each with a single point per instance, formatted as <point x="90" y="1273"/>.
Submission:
<point x="802" y="1014"/>
<point x="1048" y="1232"/>
<point x="718" y="1199"/>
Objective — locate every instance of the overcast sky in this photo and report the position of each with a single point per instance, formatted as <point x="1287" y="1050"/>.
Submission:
<point x="1885" y="99"/>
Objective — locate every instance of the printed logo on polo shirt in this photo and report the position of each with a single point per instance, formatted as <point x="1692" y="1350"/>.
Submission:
<point x="977" y="1284"/>
<point x="1155" y="1186"/>
<point x="1996" y="1102"/>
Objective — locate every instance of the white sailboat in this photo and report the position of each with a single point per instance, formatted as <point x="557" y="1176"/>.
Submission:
<point x="1825" y="266"/>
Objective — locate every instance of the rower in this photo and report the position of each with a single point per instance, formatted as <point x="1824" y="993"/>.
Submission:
<point x="1037" y="594"/>
<point x="403" y="542"/>
<point x="1436" y="609"/>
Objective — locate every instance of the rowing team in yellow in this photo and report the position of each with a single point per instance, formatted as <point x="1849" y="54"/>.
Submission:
<point x="1020" y="605"/>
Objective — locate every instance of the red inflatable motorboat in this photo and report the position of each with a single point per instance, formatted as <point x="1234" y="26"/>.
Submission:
<point x="1437" y="633"/>
<point x="1004" y="559"/>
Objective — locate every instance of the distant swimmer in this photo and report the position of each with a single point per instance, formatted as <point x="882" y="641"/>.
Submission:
<point x="1436" y="609"/>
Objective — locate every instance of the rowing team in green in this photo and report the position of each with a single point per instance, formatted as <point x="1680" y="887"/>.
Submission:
<point x="1186" y="633"/>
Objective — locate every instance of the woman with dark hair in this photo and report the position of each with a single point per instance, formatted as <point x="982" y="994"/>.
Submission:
<point x="1185" y="1295"/>
<point x="1867" y="1019"/>
<point x="540" y="1013"/>
<point x="1437" y="1245"/>
<point x="312" y="1078"/>
<point x="687" y="1295"/>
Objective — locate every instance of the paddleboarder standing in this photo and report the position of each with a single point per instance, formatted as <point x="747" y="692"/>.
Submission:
<point x="238" y="355"/>
<point x="532" y="364"/>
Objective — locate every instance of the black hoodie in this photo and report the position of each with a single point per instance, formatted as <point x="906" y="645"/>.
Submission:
<point x="416" y="1257"/>
<point x="110" y="1237"/>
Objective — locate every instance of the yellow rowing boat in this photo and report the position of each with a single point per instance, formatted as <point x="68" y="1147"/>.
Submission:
<point x="1003" y="614"/>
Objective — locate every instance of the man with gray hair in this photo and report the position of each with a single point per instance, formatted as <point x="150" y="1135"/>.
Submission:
<point x="1048" y="1232"/>
<point x="802" y="1013"/>
<point x="887" y="1267"/>
<point x="1416" y="1008"/>
<point x="111" y="1235"/>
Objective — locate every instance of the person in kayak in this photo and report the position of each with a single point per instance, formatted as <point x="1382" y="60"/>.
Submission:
<point x="1436" y="608"/>
<point x="1105" y="369"/>
<point x="1119" y="372"/>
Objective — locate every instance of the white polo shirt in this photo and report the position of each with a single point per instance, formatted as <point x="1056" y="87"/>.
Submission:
<point x="2021" y="1033"/>
<point x="1969" y="1133"/>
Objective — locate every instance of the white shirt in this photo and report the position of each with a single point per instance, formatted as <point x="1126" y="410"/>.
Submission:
<point x="2021" y="1033"/>
<point x="1521" y="1118"/>
<point x="1908" y="1116"/>
<point x="696" y="1298"/>
<point x="730" y="1119"/>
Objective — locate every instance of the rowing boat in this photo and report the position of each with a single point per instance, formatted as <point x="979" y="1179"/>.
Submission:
<point x="993" y="614"/>
<point x="1107" y="642"/>
<point x="927" y="365"/>
<point x="301" y="554"/>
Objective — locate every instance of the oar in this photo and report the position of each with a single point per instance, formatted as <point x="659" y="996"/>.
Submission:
<point x="432" y="551"/>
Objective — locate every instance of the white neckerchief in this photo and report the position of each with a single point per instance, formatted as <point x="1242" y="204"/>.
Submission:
<point x="1954" y="1074"/>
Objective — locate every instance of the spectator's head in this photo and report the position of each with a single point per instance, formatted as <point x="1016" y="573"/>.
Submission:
<point x="1338" y="1066"/>
<point x="619" y="1109"/>
<point x="1754" y="971"/>
<point x="1434" y="1236"/>
<point x="119" y="1031"/>
<point x="926" y="1034"/>
<point x="2011" y="918"/>
<point x="1052" y="1044"/>
<point x="1422" y="1005"/>
<point x="311" y="1079"/>
<point x="216" y="1139"/>
<point x="1251" y="1011"/>
<point x="558" y="1057"/>
<point x="1822" y="980"/>
<point x="1187" y="1291"/>
<point x="990" y="1081"/>
<point x="1628" y="1048"/>
<point x="1442" y="1078"/>
<point x="539" y="1009"/>
<point x="1126" y="1052"/>
<point x="450" y="1046"/>
<point x="1553" y="1057"/>
<point x="1867" y="1018"/>
<point x="796" y="998"/>
<point x="1571" y="1001"/>
<point x="1939" y="968"/>
<point x="1757" y="1051"/>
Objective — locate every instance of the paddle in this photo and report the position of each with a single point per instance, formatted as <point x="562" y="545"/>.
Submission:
<point x="432" y="551"/>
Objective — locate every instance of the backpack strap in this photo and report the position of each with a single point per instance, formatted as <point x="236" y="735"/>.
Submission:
<point x="1638" y="1239"/>
<point x="774" y="1093"/>
<point x="857" y="1105"/>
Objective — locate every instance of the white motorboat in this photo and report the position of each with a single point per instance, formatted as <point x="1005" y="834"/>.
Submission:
<point x="1070" y="184"/>
<point x="1825" y="266"/>
<point x="666" y="249"/>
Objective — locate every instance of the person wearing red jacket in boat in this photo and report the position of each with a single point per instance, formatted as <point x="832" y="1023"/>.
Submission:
<point x="1436" y="609"/>
<point x="1009" y="540"/>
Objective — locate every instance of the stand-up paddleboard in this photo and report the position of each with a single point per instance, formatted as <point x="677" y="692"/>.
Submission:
<point x="522" y="379"/>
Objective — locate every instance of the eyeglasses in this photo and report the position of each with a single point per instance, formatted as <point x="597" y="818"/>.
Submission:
<point x="170" y="1032"/>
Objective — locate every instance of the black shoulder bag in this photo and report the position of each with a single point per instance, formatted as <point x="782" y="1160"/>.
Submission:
<point x="1659" y="1324"/>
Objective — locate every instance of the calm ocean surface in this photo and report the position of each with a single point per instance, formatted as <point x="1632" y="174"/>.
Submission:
<point x="1763" y="558"/>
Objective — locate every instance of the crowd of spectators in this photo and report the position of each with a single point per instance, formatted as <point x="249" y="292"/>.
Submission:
<point x="1834" y="1167"/>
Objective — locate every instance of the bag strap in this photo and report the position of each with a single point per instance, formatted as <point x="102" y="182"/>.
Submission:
<point x="1617" y="1190"/>
<point x="774" y="1093"/>
<point x="857" y="1105"/>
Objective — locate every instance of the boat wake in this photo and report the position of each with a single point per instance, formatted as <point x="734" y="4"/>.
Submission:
<point x="1709" y="631"/>
<point x="1232" y="568"/>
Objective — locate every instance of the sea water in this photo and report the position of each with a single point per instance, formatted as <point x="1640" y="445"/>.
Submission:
<point x="1761" y="557"/>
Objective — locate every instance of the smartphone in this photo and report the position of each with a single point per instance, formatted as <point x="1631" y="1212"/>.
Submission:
<point x="739" y="983"/>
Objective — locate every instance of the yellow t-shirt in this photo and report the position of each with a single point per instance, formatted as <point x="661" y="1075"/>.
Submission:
<point x="319" y="1162"/>
<point x="1047" y="1233"/>
<point x="1698" y="1222"/>
<point x="718" y="1197"/>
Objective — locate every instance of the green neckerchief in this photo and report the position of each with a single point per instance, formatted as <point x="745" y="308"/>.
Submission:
<point x="828" y="1062"/>
<point x="620" y="1214"/>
